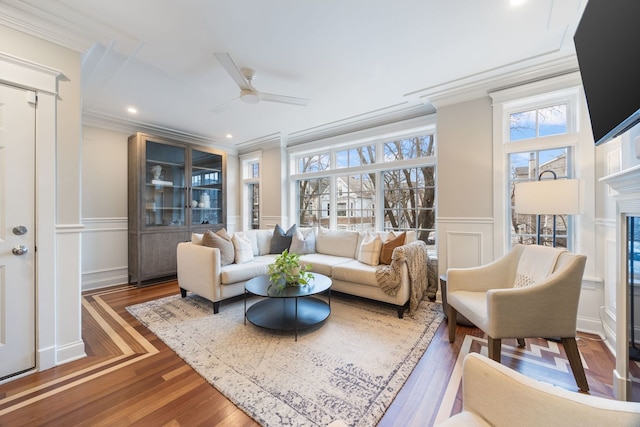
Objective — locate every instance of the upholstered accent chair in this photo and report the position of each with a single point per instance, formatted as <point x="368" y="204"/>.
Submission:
<point x="494" y="395"/>
<point x="530" y="292"/>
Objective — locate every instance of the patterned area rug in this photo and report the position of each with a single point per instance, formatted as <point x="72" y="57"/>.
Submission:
<point x="349" y="368"/>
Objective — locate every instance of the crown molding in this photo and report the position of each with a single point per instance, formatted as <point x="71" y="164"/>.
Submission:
<point x="480" y="85"/>
<point x="118" y="124"/>
<point x="29" y="20"/>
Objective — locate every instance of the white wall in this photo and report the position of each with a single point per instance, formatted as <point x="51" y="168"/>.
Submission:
<point x="465" y="184"/>
<point x="104" y="208"/>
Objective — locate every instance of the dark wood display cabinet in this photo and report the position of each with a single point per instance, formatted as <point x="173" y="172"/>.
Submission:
<point x="174" y="189"/>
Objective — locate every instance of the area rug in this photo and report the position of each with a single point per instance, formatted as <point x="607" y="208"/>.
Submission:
<point x="349" y="368"/>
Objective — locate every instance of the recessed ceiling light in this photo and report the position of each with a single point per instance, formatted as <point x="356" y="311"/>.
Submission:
<point x="517" y="2"/>
<point x="132" y="110"/>
<point x="229" y="136"/>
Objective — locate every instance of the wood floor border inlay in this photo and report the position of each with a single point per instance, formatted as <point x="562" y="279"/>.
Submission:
<point x="62" y="384"/>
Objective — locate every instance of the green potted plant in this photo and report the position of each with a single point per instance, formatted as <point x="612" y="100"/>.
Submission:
<point x="287" y="271"/>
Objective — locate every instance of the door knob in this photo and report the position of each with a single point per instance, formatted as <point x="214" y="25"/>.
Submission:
<point x="20" y="250"/>
<point x="19" y="230"/>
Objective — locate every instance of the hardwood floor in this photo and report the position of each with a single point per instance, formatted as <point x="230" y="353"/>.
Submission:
<point x="130" y="377"/>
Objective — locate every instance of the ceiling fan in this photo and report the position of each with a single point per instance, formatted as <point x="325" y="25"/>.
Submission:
<point x="243" y="78"/>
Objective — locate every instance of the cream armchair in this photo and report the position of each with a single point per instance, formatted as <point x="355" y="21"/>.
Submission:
<point x="494" y="395"/>
<point x="546" y="308"/>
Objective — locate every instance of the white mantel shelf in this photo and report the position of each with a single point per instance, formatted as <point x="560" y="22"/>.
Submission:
<point x="624" y="182"/>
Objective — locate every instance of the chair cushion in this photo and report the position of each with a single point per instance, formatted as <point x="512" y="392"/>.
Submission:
<point x="472" y="305"/>
<point x="222" y="241"/>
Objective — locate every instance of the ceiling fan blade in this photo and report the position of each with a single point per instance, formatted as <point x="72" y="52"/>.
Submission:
<point x="271" y="97"/>
<point x="222" y="106"/>
<point x="233" y="70"/>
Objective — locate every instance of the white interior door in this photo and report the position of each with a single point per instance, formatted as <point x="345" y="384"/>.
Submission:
<point x="17" y="233"/>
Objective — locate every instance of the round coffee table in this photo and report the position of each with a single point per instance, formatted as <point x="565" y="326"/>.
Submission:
<point x="291" y="308"/>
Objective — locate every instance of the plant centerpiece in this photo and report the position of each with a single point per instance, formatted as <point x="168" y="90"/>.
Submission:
<point x="287" y="271"/>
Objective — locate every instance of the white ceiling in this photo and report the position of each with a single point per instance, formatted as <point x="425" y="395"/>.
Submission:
<point x="355" y="60"/>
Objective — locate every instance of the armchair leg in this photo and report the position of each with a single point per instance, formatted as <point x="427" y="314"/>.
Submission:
<point x="451" y="323"/>
<point x="520" y="342"/>
<point x="573" y="354"/>
<point x="183" y="292"/>
<point x="495" y="345"/>
<point x="216" y="307"/>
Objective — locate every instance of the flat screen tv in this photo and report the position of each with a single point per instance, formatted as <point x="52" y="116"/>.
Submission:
<point x="607" y="43"/>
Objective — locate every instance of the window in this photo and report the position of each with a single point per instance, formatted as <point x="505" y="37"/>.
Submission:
<point x="364" y="155"/>
<point x="251" y="191"/>
<point x="527" y="166"/>
<point x="538" y="122"/>
<point x="398" y="171"/>
<point x="409" y="196"/>
<point x="540" y="135"/>
<point x="313" y="163"/>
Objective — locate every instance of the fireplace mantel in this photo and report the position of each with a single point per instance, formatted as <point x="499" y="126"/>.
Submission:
<point x="627" y="185"/>
<point x="624" y="182"/>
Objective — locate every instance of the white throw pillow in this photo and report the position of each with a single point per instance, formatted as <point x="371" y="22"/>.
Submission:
<point x="196" y="238"/>
<point x="303" y="242"/>
<point x="242" y="247"/>
<point x="369" y="252"/>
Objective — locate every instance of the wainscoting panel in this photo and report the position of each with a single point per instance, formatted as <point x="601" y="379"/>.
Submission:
<point x="464" y="242"/>
<point x="104" y="252"/>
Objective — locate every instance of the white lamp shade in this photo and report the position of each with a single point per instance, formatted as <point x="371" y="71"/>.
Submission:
<point x="548" y="197"/>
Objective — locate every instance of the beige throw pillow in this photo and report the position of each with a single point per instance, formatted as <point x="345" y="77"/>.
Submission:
<point x="369" y="252"/>
<point x="392" y="242"/>
<point x="243" y="248"/>
<point x="222" y="241"/>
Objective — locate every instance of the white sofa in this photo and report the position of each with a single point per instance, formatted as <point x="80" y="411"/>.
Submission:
<point x="494" y="395"/>
<point x="335" y="255"/>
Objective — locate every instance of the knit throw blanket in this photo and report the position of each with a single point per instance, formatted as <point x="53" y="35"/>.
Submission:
<point x="415" y="256"/>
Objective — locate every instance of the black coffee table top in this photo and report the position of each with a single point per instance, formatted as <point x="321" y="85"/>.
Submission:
<point x="260" y="286"/>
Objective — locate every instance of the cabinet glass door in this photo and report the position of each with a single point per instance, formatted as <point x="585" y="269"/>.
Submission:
<point x="206" y="188"/>
<point x="165" y="190"/>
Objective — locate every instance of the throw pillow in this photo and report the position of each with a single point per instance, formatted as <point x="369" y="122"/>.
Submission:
<point x="369" y="252"/>
<point x="389" y="245"/>
<point x="222" y="241"/>
<point x="196" y="238"/>
<point x="303" y="242"/>
<point x="243" y="248"/>
<point x="281" y="240"/>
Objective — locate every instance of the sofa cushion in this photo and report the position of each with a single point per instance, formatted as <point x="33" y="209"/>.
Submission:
<point x="369" y="250"/>
<point x="321" y="263"/>
<point x="356" y="272"/>
<point x="303" y="241"/>
<point x="281" y="240"/>
<point x="222" y="241"/>
<point x="242" y="248"/>
<point x="341" y="243"/>
<point x="234" y="273"/>
<point x="389" y="245"/>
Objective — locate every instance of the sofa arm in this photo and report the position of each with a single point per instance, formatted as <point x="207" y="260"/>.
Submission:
<point x="500" y="396"/>
<point x="199" y="270"/>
